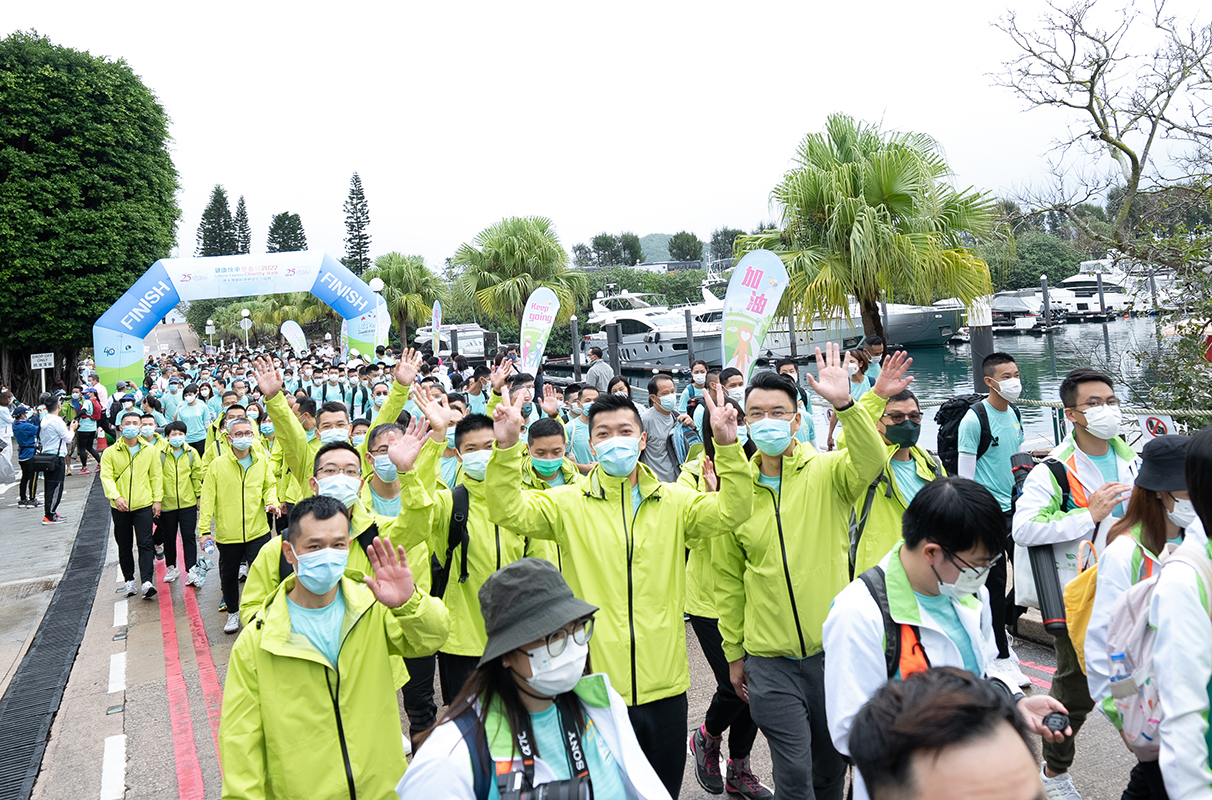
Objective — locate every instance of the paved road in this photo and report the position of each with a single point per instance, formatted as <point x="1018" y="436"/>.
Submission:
<point x="140" y="713"/>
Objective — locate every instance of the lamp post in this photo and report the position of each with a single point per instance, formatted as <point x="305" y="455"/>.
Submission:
<point x="376" y="285"/>
<point x="210" y="331"/>
<point x="245" y="323"/>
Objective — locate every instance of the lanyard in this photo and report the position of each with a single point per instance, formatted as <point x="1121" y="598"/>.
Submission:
<point x="513" y="782"/>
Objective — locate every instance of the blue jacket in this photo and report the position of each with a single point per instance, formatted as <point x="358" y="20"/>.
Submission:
<point x="26" y="433"/>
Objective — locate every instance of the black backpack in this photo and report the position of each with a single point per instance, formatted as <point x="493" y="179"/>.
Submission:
<point x="439" y="571"/>
<point x="949" y="417"/>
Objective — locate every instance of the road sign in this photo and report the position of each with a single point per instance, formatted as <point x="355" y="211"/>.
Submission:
<point x="42" y="361"/>
<point x="246" y="323"/>
<point x="210" y="329"/>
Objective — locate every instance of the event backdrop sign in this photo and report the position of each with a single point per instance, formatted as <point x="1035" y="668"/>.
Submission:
<point x="542" y="308"/>
<point x="754" y="292"/>
<point x="118" y="334"/>
<point x="435" y="322"/>
<point x="293" y="335"/>
<point x="366" y="332"/>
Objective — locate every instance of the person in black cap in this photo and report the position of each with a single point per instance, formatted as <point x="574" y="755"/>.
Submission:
<point x="532" y="713"/>
<point x="1158" y="514"/>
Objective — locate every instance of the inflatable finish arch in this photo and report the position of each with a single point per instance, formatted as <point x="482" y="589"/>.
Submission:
<point x="118" y="334"/>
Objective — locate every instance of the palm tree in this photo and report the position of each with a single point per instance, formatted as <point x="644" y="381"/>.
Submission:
<point x="409" y="288"/>
<point x="864" y="214"/>
<point x="509" y="260"/>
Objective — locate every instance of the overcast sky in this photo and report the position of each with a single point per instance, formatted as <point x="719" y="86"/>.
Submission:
<point x="640" y="116"/>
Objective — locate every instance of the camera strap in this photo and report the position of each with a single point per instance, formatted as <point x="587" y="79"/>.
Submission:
<point x="511" y="783"/>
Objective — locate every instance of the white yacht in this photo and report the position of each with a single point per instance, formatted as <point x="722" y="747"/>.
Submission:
<point x="471" y="339"/>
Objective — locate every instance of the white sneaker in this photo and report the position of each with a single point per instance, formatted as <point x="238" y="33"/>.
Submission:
<point x="1059" y="788"/>
<point x="243" y="571"/>
<point x="171" y="574"/>
<point x="131" y="589"/>
<point x="1007" y="671"/>
<point x="190" y="576"/>
<point x="407" y="744"/>
<point x="149" y="590"/>
<point x="233" y="623"/>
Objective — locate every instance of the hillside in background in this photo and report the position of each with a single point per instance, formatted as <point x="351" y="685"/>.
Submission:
<point x="656" y="246"/>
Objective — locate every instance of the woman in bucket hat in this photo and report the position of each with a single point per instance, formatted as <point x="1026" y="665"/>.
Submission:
<point x="532" y="713"/>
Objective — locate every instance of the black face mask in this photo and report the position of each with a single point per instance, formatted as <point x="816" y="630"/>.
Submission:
<point x="903" y="435"/>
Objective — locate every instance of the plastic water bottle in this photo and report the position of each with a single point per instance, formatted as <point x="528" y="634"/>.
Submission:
<point x="1119" y="669"/>
<point x="209" y="547"/>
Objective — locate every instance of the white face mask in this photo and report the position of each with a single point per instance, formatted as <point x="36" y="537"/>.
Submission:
<point x="1183" y="514"/>
<point x="1010" y="389"/>
<point x="699" y="378"/>
<point x="1103" y="421"/>
<point x="555" y="675"/>
<point x="475" y="464"/>
<point x="852" y="368"/>
<point x="737" y="393"/>
<point x="969" y="582"/>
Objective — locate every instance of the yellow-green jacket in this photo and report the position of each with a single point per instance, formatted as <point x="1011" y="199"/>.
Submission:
<point x="236" y="498"/>
<point x="548" y="550"/>
<point x="182" y="478"/>
<point x="700" y="574"/>
<point x="138" y="480"/>
<point x="295" y="725"/>
<point x="630" y="563"/>
<point x="778" y="572"/>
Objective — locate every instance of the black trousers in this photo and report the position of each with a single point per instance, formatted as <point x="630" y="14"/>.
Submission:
<point x="29" y="480"/>
<point x="86" y="446"/>
<point x="184" y="520"/>
<point x="418" y="695"/>
<point x="131" y="528"/>
<point x="1001" y="606"/>
<point x="454" y="671"/>
<point x="660" y="728"/>
<point x="200" y="446"/>
<point x="727" y="712"/>
<point x="230" y="558"/>
<point x="1145" y="783"/>
<point x="53" y="492"/>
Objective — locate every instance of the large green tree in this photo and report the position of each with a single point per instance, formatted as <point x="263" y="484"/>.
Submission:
<point x="286" y="234"/>
<point x="864" y="213"/>
<point x="357" y="222"/>
<point x="243" y="229"/>
<point x="685" y="246"/>
<point x="409" y="288"/>
<point x="509" y="260"/>
<point x="721" y="242"/>
<point x="87" y="197"/>
<point x="217" y="231"/>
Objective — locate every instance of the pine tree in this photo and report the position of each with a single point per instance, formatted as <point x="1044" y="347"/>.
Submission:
<point x="217" y="230"/>
<point x="286" y="234"/>
<point x="243" y="229"/>
<point x="357" y="220"/>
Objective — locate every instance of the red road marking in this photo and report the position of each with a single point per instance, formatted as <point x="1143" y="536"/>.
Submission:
<point x="1039" y="667"/>
<point x="212" y="692"/>
<point x="189" y="772"/>
<point x="1040" y="682"/>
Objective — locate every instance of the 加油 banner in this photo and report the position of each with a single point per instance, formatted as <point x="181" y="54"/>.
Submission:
<point x="754" y="292"/>
<point x="542" y="308"/>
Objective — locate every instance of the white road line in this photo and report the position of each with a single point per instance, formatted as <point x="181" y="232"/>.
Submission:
<point x="120" y="608"/>
<point x="117" y="672"/>
<point x="120" y="581"/>
<point x="113" y="768"/>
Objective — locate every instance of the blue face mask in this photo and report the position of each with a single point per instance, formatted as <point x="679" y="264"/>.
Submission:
<point x="130" y="431"/>
<point x="320" y="570"/>
<point x="669" y="402"/>
<point x="742" y="435"/>
<point x="450" y="437"/>
<point x="386" y="470"/>
<point x="475" y="464"/>
<point x="358" y="439"/>
<point x="618" y="455"/>
<point x="241" y="442"/>
<point x="342" y="488"/>
<point x="772" y="436"/>
<point x="546" y="466"/>
<point x="267" y="428"/>
<point x="334" y="435"/>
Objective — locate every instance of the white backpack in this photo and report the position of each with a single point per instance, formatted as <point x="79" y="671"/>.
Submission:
<point x="1130" y="637"/>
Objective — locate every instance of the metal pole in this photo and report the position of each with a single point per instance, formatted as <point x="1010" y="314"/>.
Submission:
<point x="1153" y="288"/>
<point x="980" y="327"/>
<point x="1102" y="303"/>
<point x="1047" y="306"/>
<point x="689" y="339"/>
<point x="42" y="372"/>
<point x="454" y="341"/>
<point x="613" y="331"/>
<point x="884" y="315"/>
<point x="794" y="347"/>
<point x="576" y="350"/>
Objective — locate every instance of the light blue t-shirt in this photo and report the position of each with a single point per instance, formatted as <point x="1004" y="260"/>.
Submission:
<point x="578" y="441"/>
<point x="907" y="480"/>
<point x="549" y="740"/>
<point x="775" y="482"/>
<point x="477" y="403"/>
<point x="873" y="370"/>
<point x="195" y="417"/>
<point x="688" y="394"/>
<point x="321" y="626"/>
<point x="807" y="430"/>
<point x="942" y="608"/>
<point x="246" y="462"/>
<point x="993" y="470"/>
<point x="1108" y="466"/>
<point x="555" y="480"/>
<point x="857" y="390"/>
<point x="384" y="507"/>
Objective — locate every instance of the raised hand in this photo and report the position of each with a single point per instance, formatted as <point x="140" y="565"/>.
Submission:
<point x="405" y="371"/>
<point x="507" y="420"/>
<point x="436" y="412"/>
<point x="498" y="375"/>
<point x="723" y="418"/>
<point x="403" y="451"/>
<point x="392" y="583"/>
<point x="710" y="479"/>
<point x="832" y="381"/>
<point x="551" y="401"/>
<point x="267" y="376"/>
<point x="892" y="378"/>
